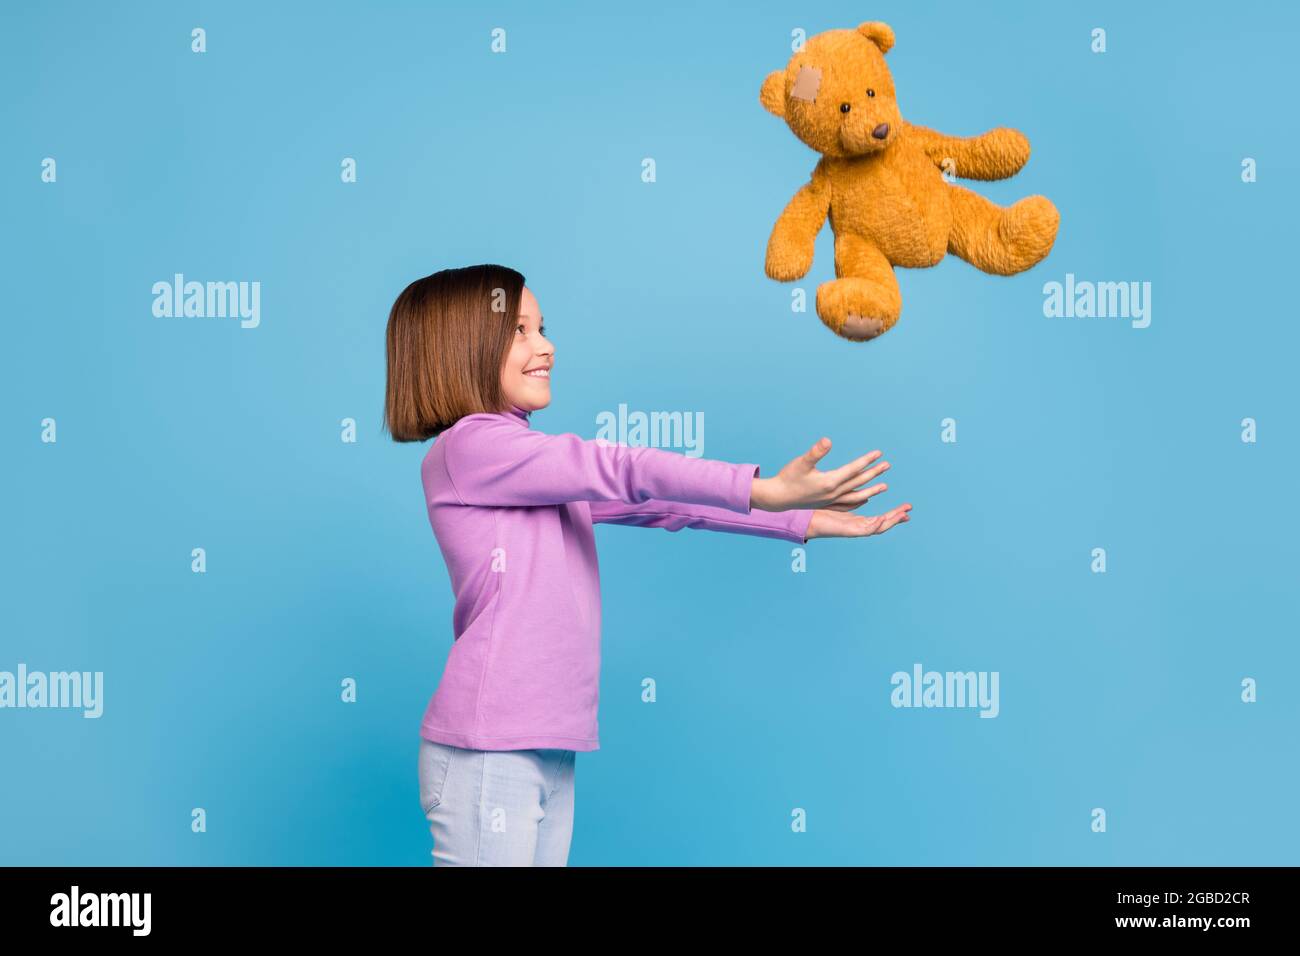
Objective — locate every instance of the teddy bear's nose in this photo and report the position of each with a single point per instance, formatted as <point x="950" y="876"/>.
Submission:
<point x="881" y="131"/>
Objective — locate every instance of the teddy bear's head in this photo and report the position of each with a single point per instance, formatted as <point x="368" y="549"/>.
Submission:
<point x="836" y="93"/>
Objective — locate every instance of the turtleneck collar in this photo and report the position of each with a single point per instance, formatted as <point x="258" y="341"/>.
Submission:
<point x="519" y="413"/>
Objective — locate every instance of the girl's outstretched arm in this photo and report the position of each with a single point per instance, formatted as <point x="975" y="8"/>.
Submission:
<point x="673" y="516"/>
<point x="799" y="526"/>
<point x="493" y="461"/>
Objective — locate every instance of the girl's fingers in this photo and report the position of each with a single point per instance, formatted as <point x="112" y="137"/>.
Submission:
<point x="850" y="500"/>
<point x="891" y="522"/>
<point x="834" y="524"/>
<point x="847" y="472"/>
<point x="891" y="518"/>
<point x="858" y="480"/>
<point x="821" y="447"/>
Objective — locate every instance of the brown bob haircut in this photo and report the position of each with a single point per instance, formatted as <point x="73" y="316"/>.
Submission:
<point x="448" y="336"/>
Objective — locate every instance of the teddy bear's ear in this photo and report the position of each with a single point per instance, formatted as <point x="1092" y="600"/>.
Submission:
<point x="878" y="33"/>
<point x="772" y="95"/>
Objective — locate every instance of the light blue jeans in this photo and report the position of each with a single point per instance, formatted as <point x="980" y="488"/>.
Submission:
<point x="497" y="807"/>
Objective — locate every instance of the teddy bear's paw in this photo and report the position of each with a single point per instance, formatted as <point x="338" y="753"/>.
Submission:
<point x="859" y="328"/>
<point x="858" y="309"/>
<point x="787" y="261"/>
<point x="1028" y="230"/>
<point x="1004" y="154"/>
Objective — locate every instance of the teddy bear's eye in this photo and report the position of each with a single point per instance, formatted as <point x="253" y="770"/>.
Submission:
<point x="871" y="92"/>
<point x="844" y="107"/>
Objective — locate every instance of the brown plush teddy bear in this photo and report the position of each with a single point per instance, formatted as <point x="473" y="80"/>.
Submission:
<point x="881" y="180"/>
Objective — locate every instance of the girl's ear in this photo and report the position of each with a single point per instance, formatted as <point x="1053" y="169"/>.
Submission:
<point x="772" y="95"/>
<point x="878" y="33"/>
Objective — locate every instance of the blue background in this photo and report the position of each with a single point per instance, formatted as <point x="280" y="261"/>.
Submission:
<point x="1119" y="691"/>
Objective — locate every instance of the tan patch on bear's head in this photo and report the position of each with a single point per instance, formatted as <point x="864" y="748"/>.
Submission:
<point x="806" y="84"/>
<point x="837" y="94"/>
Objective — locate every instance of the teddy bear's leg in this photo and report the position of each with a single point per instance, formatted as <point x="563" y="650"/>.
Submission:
<point x="997" y="239"/>
<point x="864" y="301"/>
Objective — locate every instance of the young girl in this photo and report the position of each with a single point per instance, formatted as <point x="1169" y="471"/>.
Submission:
<point x="512" y="509"/>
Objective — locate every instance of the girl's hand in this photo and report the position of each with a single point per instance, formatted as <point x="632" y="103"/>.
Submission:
<point x="800" y="485"/>
<point x="838" y="524"/>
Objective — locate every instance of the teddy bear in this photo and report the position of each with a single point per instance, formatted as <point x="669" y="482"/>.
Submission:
<point x="886" y="185"/>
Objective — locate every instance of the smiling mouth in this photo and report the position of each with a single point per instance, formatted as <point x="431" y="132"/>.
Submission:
<point x="538" y="373"/>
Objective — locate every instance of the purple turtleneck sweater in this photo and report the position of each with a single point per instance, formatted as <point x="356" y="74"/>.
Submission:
<point x="512" y="509"/>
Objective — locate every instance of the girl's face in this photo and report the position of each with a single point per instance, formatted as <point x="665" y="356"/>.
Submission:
<point x="526" y="375"/>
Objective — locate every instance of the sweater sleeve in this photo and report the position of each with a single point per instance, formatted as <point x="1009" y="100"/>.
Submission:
<point x="673" y="516"/>
<point x="494" y="462"/>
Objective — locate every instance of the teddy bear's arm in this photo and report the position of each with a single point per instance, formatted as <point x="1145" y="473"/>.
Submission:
<point x="997" y="154"/>
<point x="790" y="247"/>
